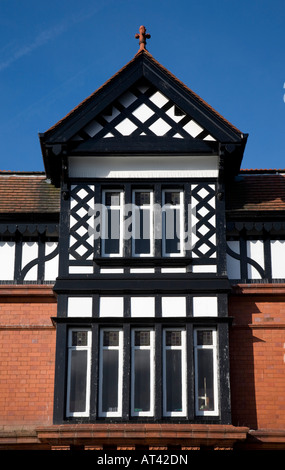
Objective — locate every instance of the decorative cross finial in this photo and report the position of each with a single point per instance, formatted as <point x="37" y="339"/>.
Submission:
<point x="142" y="36"/>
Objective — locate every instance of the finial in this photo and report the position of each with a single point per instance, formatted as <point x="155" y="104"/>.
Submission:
<point x="142" y="36"/>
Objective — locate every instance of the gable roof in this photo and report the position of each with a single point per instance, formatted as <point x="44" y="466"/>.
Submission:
<point x="146" y="108"/>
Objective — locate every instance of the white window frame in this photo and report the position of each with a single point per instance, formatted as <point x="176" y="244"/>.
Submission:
<point x="104" y="215"/>
<point x="119" y="348"/>
<point x="181" y="348"/>
<point x="179" y="206"/>
<point x="152" y="371"/>
<point x="151" y="225"/>
<point x="88" y="372"/>
<point x="213" y="347"/>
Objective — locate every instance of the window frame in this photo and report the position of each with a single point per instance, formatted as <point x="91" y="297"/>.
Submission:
<point x="119" y="348"/>
<point x="179" y="206"/>
<point x="151" y="225"/>
<point x="71" y="348"/>
<point x="119" y="207"/>
<point x="182" y="348"/>
<point x="151" y="348"/>
<point x="214" y="348"/>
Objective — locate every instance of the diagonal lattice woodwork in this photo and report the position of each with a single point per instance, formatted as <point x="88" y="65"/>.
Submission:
<point x="204" y="221"/>
<point x="143" y="111"/>
<point x="81" y="221"/>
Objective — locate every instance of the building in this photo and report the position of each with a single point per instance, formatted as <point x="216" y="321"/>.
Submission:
<point x="142" y="284"/>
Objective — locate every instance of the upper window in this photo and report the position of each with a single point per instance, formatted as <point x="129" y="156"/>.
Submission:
<point x="142" y="223"/>
<point x="172" y="223"/>
<point x="112" y="223"/>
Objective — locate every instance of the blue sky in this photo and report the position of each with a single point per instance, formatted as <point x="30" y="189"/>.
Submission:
<point x="53" y="54"/>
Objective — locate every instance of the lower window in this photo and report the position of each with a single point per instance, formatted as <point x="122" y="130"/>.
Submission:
<point x="136" y="380"/>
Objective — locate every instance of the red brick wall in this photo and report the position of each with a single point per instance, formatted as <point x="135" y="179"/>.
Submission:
<point x="257" y="355"/>
<point x="27" y="352"/>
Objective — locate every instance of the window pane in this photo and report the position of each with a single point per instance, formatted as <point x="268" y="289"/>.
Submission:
<point x="205" y="380"/>
<point x="142" y="231"/>
<point x="172" y="197"/>
<point x="172" y="230"/>
<point x="204" y="338"/>
<point x="173" y="380"/>
<point x="110" y="380"/>
<point x="111" y="338"/>
<point x="78" y="374"/>
<point x="79" y="338"/>
<point x="112" y="231"/>
<point x="142" y="338"/>
<point x="142" y="198"/>
<point x="112" y="198"/>
<point x="173" y="338"/>
<point x="141" y="380"/>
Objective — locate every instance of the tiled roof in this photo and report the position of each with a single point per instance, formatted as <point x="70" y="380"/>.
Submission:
<point x="22" y="192"/>
<point x="166" y="71"/>
<point x="257" y="190"/>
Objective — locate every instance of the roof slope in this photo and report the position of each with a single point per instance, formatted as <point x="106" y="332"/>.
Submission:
<point x="259" y="192"/>
<point x="27" y="193"/>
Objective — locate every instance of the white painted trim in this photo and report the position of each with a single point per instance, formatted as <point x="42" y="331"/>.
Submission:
<point x="88" y="371"/>
<point x="215" y="411"/>
<point x="120" y="373"/>
<point x="152" y="371"/>
<point x="144" y="167"/>
<point x="181" y="348"/>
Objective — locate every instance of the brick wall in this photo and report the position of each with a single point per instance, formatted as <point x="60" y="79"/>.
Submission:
<point x="257" y="354"/>
<point x="27" y="351"/>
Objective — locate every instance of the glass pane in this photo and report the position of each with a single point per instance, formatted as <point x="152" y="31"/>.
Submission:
<point x="205" y="380"/>
<point x="172" y="198"/>
<point x="111" y="338"/>
<point x="173" y="338"/>
<point x="142" y="198"/>
<point x="142" y="338"/>
<point x="112" y="231"/>
<point x="112" y="199"/>
<point x="110" y="380"/>
<point x="204" y="337"/>
<point x="78" y="381"/>
<point x="142" y="380"/>
<point x="172" y="230"/>
<point x="173" y="380"/>
<point x="142" y="231"/>
<point x="79" y="338"/>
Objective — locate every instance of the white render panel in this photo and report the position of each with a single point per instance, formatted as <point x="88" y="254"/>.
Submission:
<point x="205" y="307"/>
<point x="7" y="261"/>
<point x="211" y="268"/>
<point x="255" y="251"/>
<point x="142" y="270"/>
<point x="278" y="259"/>
<point x="142" y="306"/>
<point x="79" y="307"/>
<point x="173" y="306"/>
<point x="111" y="307"/>
<point x="80" y="269"/>
<point x="233" y="265"/>
<point x="138" y="167"/>
<point x="29" y="253"/>
<point x="51" y="266"/>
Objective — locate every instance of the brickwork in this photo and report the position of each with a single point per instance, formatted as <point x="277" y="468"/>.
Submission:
<point x="257" y="353"/>
<point x="27" y="351"/>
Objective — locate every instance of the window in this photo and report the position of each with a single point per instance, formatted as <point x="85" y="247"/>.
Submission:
<point x="78" y="376"/>
<point x="205" y="372"/>
<point x="142" y="372"/>
<point x="112" y="223"/>
<point x="174" y="373"/>
<point x="126" y="369"/>
<point x="142" y="223"/>
<point x="110" y="373"/>
<point x="172" y="223"/>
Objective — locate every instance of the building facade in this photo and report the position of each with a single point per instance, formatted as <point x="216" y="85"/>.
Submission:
<point x="142" y="296"/>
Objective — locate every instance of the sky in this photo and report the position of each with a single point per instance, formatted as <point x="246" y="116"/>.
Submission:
<point x="55" y="53"/>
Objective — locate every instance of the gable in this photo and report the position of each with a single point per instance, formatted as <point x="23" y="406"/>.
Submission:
<point x="142" y="109"/>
